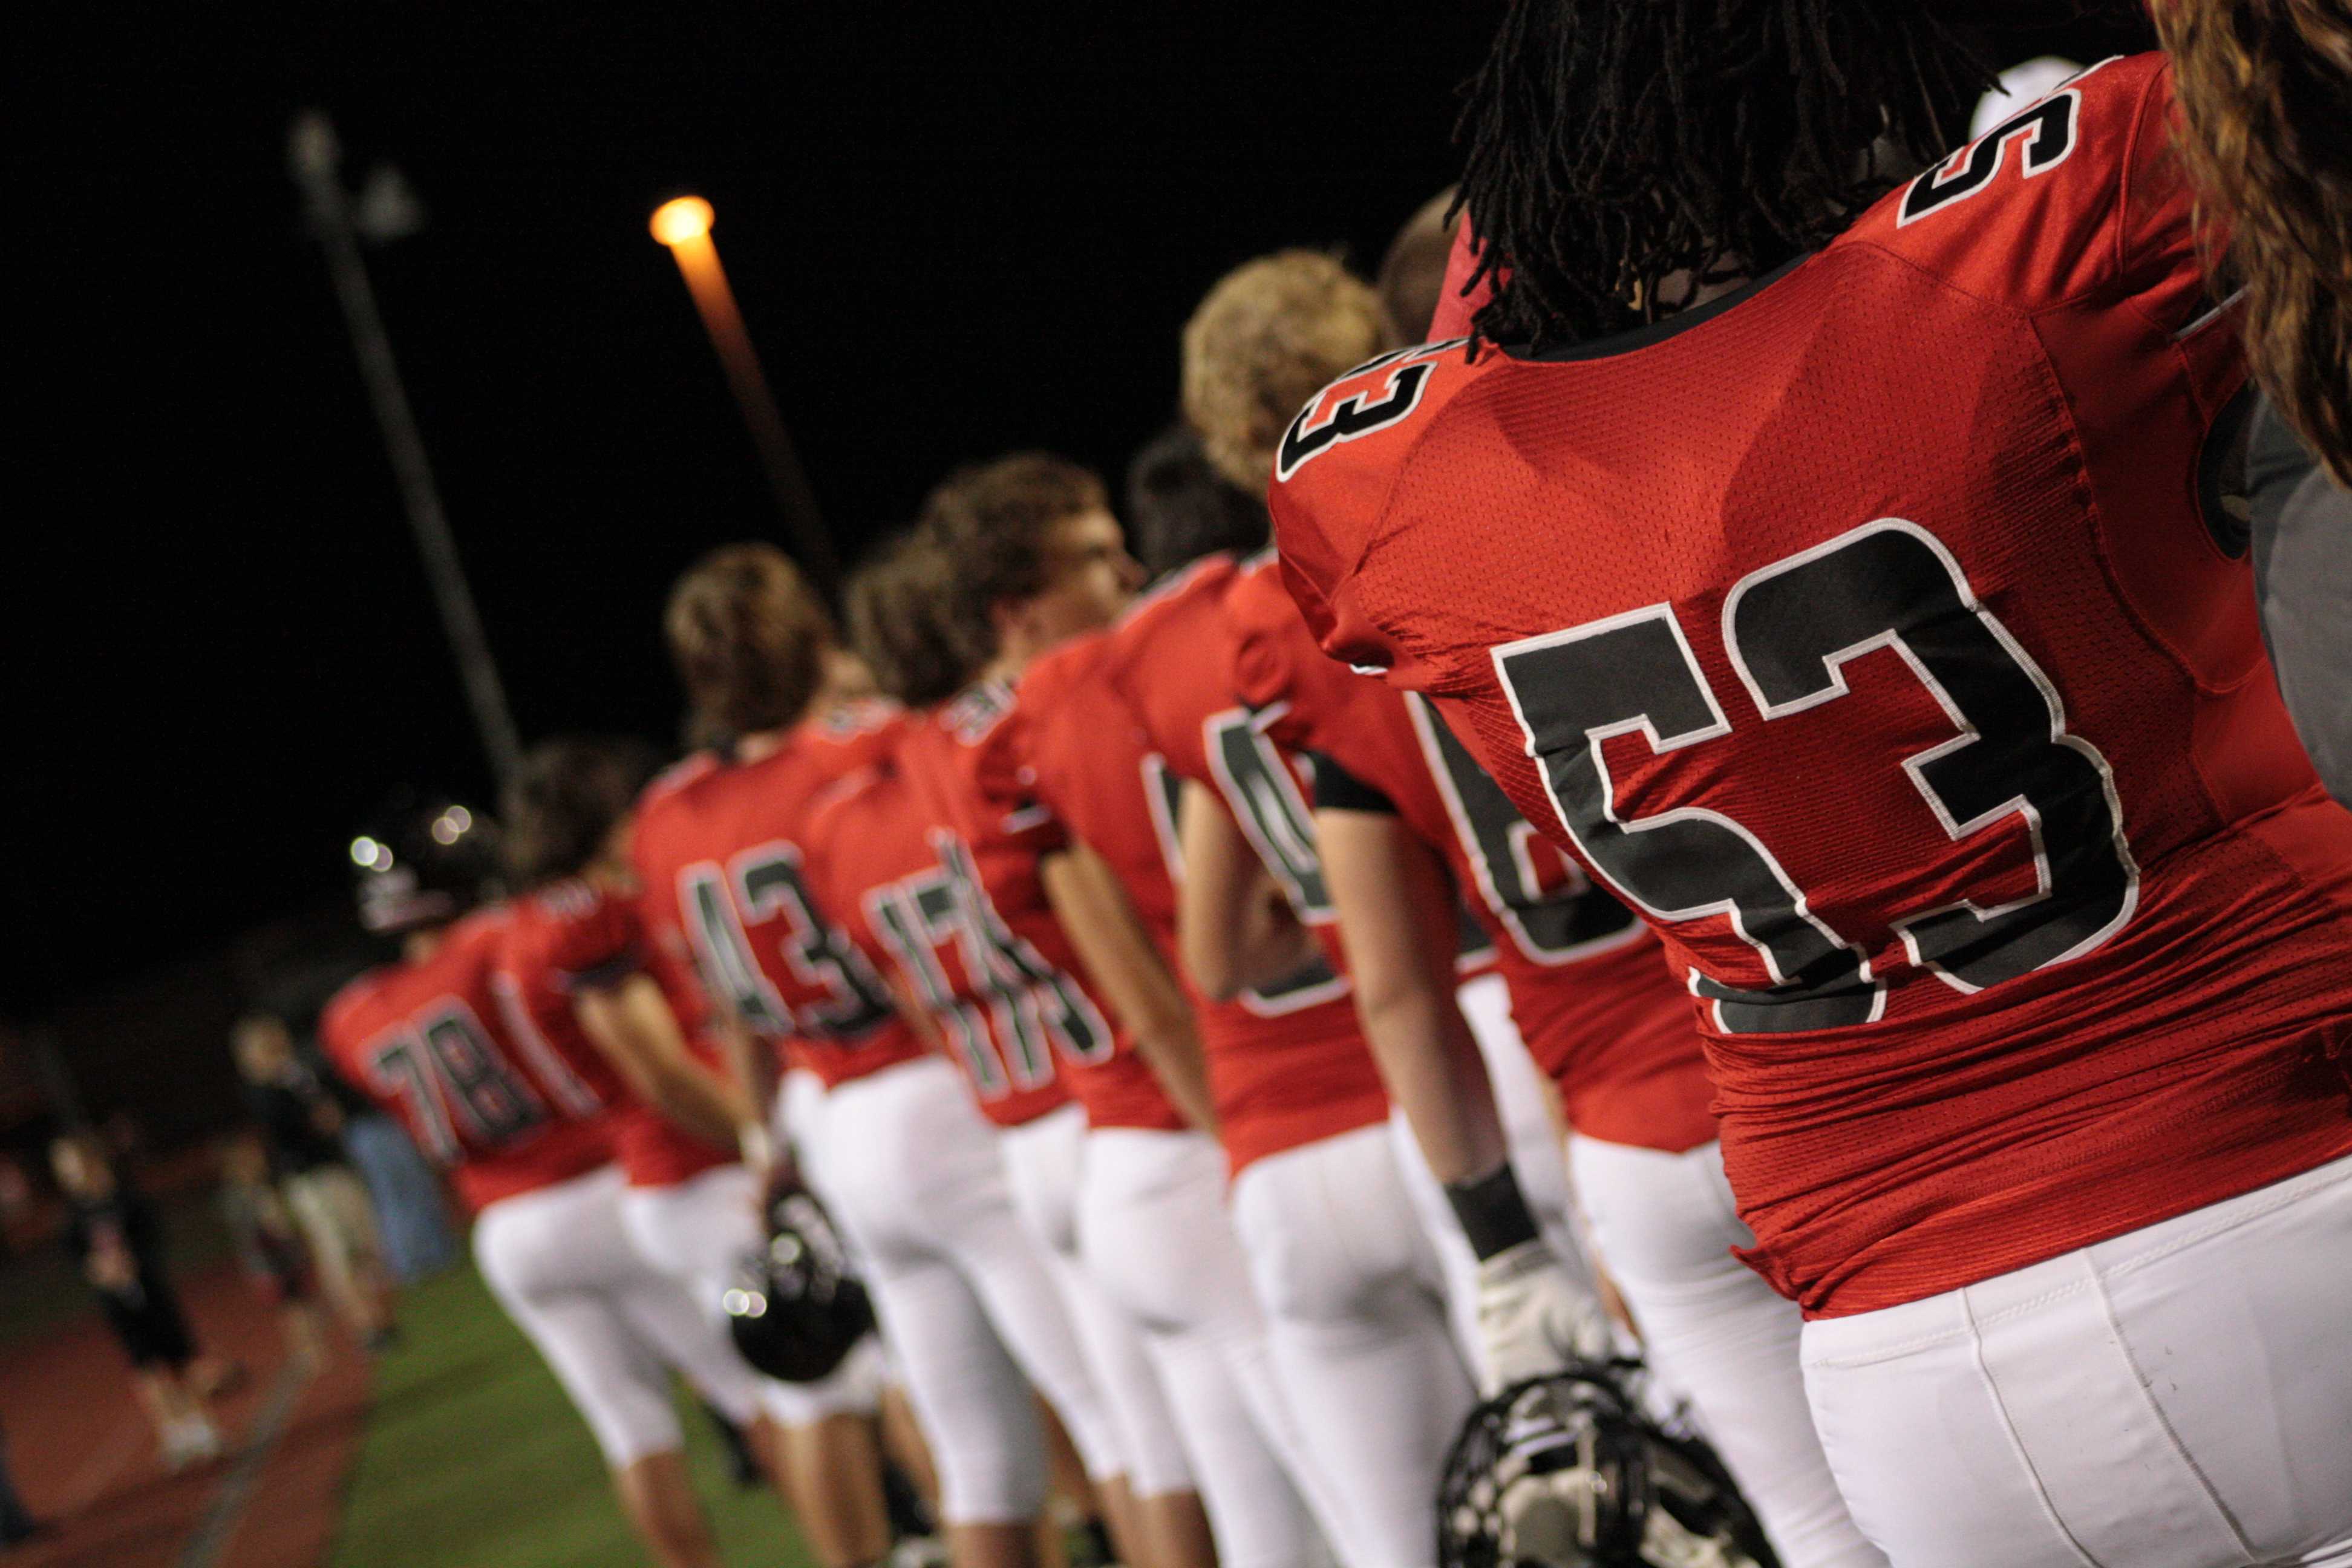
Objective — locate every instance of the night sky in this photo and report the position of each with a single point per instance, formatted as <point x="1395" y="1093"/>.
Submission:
<point x="947" y="240"/>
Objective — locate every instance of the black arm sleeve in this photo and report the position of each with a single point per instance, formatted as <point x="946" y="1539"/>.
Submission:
<point x="1337" y="789"/>
<point x="2301" y="525"/>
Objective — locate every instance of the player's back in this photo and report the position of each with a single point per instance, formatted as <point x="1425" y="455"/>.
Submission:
<point x="1288" y="1064"/>
<point x="903" y="892"/>
<point x="716" y="848"/>
<point x="434" y="1042"/>
<point x="1864" y="630"/>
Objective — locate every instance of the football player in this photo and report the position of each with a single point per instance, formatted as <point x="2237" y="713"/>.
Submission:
<point x="1822" y="564"/>
<point x="1347" y="1269"/>
<point x="1151" y="1212"/>
<point x="917" y="1168"/>
<point x="526" y="1136"/>
<point x="579" y="971"/>
<point x="715" y="861"/>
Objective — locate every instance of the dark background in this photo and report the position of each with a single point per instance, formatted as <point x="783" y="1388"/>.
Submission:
<point x="948" y="239"/>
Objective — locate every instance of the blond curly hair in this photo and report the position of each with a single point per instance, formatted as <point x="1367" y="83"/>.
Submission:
<point x="1269" y="336"/>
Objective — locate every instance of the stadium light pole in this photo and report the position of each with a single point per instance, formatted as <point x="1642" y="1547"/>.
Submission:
<point x="682" y="225"/>
<point x="316" y="158"/>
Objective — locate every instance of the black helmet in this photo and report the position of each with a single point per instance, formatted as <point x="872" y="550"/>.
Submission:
<point x="424" y="865"/>
<point x="1565" y="1472"/>
<point x="796" y="1311"/>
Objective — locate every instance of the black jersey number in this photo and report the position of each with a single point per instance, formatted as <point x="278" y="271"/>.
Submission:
<point x="451" y="1076"/>
<point x="767" y="883"/>
<point x="1164" y="791"/>
<point x="1555" y="918"/>
<point x="1790" y="629"/>
<point x="2048" y="132"/>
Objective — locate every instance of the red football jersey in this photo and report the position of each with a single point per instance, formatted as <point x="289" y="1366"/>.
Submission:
<point x="1289" y="1066"/>
<point x="717" y="848"/>
<point x="1862" y="628"/>
<point x="1058" y="694"/>
<point x="575" y="936"/>
<point x="1589" y="989"/>
<point x="435" y="1045"/>
<point x="914" y="901"/>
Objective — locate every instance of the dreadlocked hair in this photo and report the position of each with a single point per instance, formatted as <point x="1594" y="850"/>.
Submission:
<point x="2262" y="86"/>
<point x="1616" y="149"/>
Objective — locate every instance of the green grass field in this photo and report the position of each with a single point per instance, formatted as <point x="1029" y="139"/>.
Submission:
<point x="473" y="1459"/>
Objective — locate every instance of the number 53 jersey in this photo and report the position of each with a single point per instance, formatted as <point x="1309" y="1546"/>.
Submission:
<point x="1863" y="631"/>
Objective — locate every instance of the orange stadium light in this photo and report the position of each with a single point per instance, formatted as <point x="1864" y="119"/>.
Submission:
<point x="681" y="220"/>
<point x="682" y="225"/>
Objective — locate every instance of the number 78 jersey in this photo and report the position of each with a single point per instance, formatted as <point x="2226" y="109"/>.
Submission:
<point x="1862" y="630"/>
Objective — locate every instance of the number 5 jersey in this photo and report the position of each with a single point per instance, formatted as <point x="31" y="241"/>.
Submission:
<point x="1862" y="630"/>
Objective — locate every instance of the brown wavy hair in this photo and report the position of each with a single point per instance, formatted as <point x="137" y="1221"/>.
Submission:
<point x="749" y="636"/>
<point x="561" y="805"/>
<point x="899" y="625"/>
<point x="2265" y="93"/>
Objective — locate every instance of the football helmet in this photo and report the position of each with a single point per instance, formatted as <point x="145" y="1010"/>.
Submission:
<point x="795" y="1311"/>
<point x="424" y="865"/>
<point x="1565" y="1472"/>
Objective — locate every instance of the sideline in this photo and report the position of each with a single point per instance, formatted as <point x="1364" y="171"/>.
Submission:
<point x="220" y="1521"/>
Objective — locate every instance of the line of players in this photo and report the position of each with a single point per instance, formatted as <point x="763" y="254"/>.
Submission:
<point x="1072" y="971"/>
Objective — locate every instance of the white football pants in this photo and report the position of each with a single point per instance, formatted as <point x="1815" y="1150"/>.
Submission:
<point x="1355" y="1304"/>
<point x="974" y="1317"/>
<point x="2177" y="1397"/>
<point x="610" y="1326"/>
<point x="1664" y="1225"/>
<point x="1153" y="1227"/>
<point x="1043" y="1161"/>
<point x="698" y="1232"/>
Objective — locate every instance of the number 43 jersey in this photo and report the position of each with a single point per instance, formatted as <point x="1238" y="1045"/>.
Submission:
<point x="1862" y="630"/>
<point x="434" y="1044"/>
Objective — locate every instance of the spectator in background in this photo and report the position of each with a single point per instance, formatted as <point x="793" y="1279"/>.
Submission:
<point x="269" y="1246"/>
<point x="302" y="1126"/>
<point x="115" y="1234"/>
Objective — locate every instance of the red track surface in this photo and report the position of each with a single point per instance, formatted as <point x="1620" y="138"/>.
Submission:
<point x="84" y="1458"/>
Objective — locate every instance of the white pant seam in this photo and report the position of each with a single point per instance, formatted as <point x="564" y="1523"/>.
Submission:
<point x="2164" y="1424"/>
<point x="2017" y="1442"/>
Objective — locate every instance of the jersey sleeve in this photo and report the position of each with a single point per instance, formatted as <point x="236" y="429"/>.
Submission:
<point x="1334" y="472"/>
<point x="2077" y="196"/>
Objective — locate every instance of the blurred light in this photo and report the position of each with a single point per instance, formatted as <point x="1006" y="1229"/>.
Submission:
<point x="364" y="852"/>
<point x="445" y="831"/>
<point x="681" y="220"/>
<point x="461" y="816"/>
<point x="741" y="1303"/>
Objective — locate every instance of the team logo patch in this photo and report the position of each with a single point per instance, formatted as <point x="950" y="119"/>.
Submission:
<point x="1372" y="397"/>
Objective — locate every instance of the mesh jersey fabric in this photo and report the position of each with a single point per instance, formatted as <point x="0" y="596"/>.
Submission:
<point x="1874" y="607"/>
